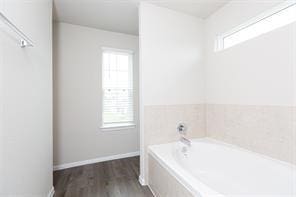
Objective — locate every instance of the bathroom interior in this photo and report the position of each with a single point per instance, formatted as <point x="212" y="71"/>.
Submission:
<point x="142" y="98"/>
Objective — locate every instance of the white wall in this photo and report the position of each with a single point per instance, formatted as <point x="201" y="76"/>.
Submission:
<point x="171" y="57"/>
<point x="77" y="95"/>
<point x="171" y="75"/>
<point x="26" y="101"/>
<point x="256" y="72"/>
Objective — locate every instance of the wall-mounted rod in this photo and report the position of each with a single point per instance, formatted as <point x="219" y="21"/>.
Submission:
<point x="24" y="40"/>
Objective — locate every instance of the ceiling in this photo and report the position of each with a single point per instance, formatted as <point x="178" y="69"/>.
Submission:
<point x="122" y="15"/>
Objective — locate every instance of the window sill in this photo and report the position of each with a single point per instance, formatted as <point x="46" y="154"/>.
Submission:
<point x="117" y="127"/>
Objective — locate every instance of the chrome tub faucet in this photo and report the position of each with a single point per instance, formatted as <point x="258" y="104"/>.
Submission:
<point x="182" y="130"/>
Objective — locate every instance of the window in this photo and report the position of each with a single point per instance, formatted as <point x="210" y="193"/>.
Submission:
<point x="117" y="87"/>
<point x="281" y="15"/>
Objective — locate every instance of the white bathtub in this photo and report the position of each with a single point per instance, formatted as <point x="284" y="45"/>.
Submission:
<point x="213" y="168"/>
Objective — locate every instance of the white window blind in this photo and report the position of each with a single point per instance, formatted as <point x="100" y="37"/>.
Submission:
<point x="118" y="93"/>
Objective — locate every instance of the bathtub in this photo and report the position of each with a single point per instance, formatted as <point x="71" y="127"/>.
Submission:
<point x="213" y="168"/>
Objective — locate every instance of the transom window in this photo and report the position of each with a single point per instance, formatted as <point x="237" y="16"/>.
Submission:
<point x="277" y="17"/>
<point x="117" y="87"/>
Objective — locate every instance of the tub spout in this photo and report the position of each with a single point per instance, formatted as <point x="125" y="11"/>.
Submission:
<point x="185" y="141"/>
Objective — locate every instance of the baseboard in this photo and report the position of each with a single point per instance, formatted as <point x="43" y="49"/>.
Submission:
<point x="153" y="193"/>
<point x="142" y="181"/>
<point x="51" y="192"/>
<point x="96" y="160"/>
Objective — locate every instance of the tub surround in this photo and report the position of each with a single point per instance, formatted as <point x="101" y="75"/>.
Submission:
<point x="268" y="130"/>
<point x="161" y="123"/>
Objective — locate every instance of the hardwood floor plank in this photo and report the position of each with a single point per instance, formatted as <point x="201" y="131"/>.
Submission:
<point x="117" y="178"/>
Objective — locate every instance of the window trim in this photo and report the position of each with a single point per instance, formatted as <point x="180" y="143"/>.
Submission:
<point x="118" y="125"/>
<point x="219" y="42"/>
<point x="110" y="49"/>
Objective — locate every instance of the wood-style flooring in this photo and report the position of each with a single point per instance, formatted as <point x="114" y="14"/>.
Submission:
<point x="117" y="178"/>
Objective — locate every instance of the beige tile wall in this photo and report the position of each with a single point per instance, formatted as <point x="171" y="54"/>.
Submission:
<point x="269" y="130"/>
<point x="160" y="123"/>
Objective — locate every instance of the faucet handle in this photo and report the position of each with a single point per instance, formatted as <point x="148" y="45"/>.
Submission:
<point x="182" y="128"/>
